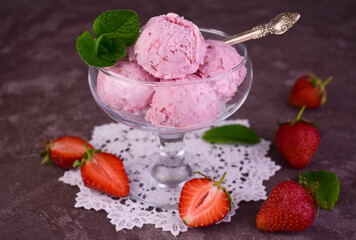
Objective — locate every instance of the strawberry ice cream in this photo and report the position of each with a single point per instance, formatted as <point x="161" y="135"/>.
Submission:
<point x="183" y="105"/>
<point x="221" y="57"/>
<point x="125" y="96"/>
<point x="170" y="47"/>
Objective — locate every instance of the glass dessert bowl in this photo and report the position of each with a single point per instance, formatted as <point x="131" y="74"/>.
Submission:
<point x="169" y="109"/>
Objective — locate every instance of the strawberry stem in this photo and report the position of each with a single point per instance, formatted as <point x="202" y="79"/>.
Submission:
<point x="46" y="155"/>
<point x="322" y="91"/>
<point x="88" y="156"/>
<point x="218" y="183"/>
<point x="205" y="176"/>
<point x="46" y="159"/>
<point x="300" y="113"/>
<point x="326" y="81"/>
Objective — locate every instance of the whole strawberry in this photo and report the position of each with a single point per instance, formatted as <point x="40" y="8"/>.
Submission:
<point x="309" y="91"/>
<point x="298" y="141"/>
<point x="287" y="208"/>
<point x="104" y="172"/>
<point x="203" y="201"/>
<point x="64" y="151"/>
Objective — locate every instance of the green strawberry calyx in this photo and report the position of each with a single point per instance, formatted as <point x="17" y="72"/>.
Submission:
<point x="218" y="185"/>
<point x="46" y="154"/>
<point x="88" y="156"/>
<point x="311" y="189"/>
<point x="320" y="85"/>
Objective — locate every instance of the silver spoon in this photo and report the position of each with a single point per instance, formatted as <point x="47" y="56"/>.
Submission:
<point x="278" y="25"/>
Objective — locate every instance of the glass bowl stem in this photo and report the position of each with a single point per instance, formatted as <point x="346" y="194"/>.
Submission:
<point x="171" y="169"/>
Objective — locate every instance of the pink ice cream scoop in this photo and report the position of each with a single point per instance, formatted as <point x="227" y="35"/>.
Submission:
<point x="183" y="105"/>
<point x="125" y="96"/>
<point x="220" y="58"/>
<point x="170" y="47"/>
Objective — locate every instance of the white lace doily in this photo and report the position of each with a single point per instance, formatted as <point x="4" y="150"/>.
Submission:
<point x="246" y="167"/>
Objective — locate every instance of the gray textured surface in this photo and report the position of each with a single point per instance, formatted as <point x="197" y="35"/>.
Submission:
<point x="44" y="94"/>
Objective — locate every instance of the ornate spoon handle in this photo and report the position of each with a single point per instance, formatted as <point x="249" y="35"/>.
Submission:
<point x="278" y="25"/>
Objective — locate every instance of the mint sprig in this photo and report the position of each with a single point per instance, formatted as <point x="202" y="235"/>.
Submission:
<point x="113" y="31"/>
<point x="87" y="49"/>
<point x="235" y="134"/>
<point x="110" y="47"/>
<point x="124" y="23"/>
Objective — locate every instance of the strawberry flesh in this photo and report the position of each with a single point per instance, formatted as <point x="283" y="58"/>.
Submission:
<point x="203" y="203"/>
<point x="106" y="173"/>
<point x="287" y="208"/>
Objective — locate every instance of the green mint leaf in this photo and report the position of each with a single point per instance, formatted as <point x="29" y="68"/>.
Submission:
<point x="236" y="134"/>
<point x="113" y="31"/>
<point x="123" y="22"/>
<point x="109" y="47"/>
<point x="86" y="46"/>
<point x="329" y="187"/>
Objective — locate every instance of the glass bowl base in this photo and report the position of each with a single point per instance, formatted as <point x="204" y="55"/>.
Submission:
<point x="157" y="185"/>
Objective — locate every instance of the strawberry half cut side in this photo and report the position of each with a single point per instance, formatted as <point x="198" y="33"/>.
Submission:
<point x="104" y="172"/>
<point x="204" y="202"/>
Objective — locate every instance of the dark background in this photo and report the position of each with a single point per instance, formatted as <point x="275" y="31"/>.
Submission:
<point x="44" y="94"/>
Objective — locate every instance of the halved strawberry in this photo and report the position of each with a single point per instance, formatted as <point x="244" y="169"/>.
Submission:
<point x="64" y="151"/>
<point x="203" y="201"/>
<point x="104" y="172"/>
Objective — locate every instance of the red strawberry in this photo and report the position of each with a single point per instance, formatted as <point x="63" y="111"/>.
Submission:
<point x="287" y="208"/>
<point x="203" y="202"/>
<point x="104" y="172"/>
<point x="309" y="91"/>
<point x="64" y="151"/>
<point x="298" y="141"/>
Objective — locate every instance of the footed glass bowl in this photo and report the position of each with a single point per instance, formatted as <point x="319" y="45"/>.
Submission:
<point x="170" y="109"/>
